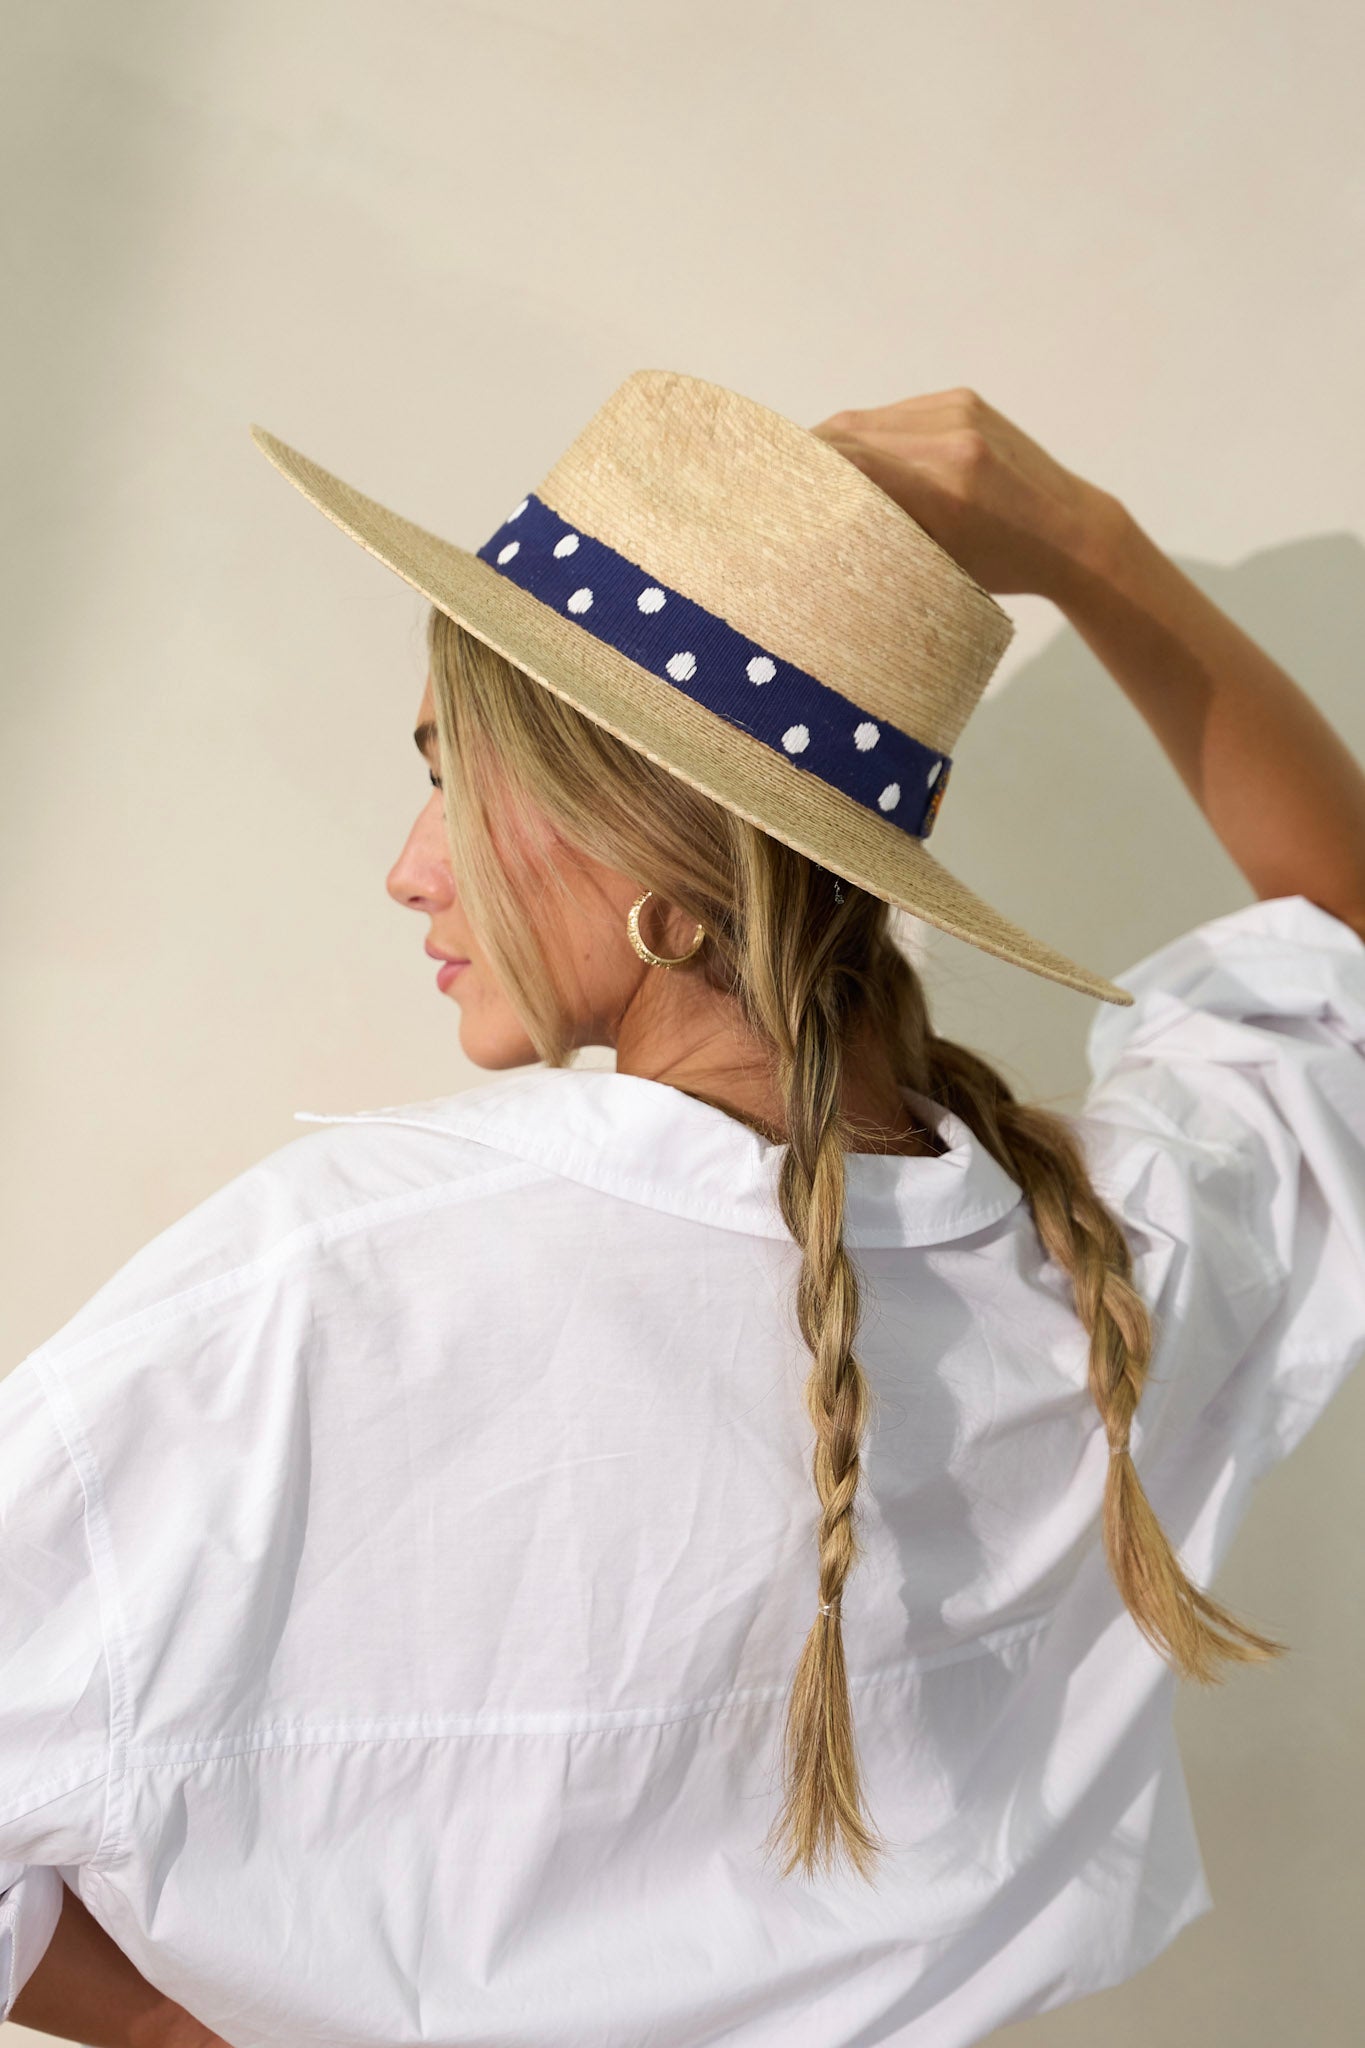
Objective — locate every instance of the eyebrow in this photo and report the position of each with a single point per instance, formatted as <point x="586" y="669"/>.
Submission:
<point x="424" y="735"/>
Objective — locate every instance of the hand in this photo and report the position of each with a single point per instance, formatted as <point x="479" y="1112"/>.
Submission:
<point x="189" y="2033"/>
<point x="179" y="2030"/>
<point x="168" y="2025"/>
<point x="84" y="1988"/>
<point x="1010" y="515"/>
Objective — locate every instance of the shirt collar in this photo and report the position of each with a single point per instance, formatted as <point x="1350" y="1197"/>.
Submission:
<point x="650" y="1143"/>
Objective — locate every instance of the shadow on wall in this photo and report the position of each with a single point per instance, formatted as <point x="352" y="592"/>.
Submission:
<point x="1066" y="813"/>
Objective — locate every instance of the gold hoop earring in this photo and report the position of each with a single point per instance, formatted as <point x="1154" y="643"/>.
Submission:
<point x="654" y="959"/>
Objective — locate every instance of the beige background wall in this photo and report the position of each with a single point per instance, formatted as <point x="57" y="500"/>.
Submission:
<point x="423" y="242"/>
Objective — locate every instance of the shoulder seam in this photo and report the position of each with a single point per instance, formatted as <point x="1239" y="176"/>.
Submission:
<point x="108" y="1601"/>
<point x="305" y="1237"/>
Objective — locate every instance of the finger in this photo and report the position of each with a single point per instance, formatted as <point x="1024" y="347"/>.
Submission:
<point x="896" y="425"/>
<point x="927" y="450"/>
<point x="957" y="403"/>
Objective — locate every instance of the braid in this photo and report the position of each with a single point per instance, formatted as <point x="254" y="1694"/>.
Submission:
<point x="823" y="1803"/>
<point x="1037" y="1149"/>
<point x="811" y="967"/>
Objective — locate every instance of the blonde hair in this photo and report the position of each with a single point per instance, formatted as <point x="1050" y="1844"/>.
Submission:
<point x="806" y="971"/>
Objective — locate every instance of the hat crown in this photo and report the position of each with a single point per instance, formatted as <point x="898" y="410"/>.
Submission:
<point x="767" y="526"/>
<point x="684" y="504"/>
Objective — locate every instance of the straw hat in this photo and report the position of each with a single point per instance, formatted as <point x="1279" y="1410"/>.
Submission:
<point x="730" y="595"/>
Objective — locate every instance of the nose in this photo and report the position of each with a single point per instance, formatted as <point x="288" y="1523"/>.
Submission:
<point x="420" y="878"/>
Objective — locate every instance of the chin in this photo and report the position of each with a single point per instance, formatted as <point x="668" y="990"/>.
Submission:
<point x="496" y="1048"/>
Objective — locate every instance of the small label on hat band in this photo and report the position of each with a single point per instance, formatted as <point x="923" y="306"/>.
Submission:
<point x="812" y="726"/>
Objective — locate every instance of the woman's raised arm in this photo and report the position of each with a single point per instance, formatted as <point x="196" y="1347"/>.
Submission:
<point x="1277" y="783"/>
<point x="1275" y="780"/>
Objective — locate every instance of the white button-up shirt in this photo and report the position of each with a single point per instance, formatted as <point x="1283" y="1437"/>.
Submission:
<point x="406" y="1555"/>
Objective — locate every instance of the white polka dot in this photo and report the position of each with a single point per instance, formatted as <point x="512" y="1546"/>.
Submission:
<point x="934" y="773"/>
<point x="761" y="670"/>
<point x="866" y="735"/>
<point x="517" y="514"/>
<point x="682" y="667"/>
<point x="890" y="797"/>
<point x="796" y="739"/>
<point x="651" y="600"/>
<point x="580" y="601"/>
<point x="567" y="545"/>
<point x="512" y="548"/>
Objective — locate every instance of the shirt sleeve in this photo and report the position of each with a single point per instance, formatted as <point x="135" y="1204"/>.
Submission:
<point x="54" y="1679"/>
<point x="1246" y="1040"/>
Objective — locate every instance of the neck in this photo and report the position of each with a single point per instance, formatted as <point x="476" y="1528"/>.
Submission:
<point x="689" y="1037"/>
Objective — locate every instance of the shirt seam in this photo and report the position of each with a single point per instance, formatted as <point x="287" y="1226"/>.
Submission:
<point x="108" y="1602"/>
<point x="48" y="1789"/>
<point x="1110" y="1182"/>
<point x="1272" y="1271"/>
<point x="549" y="1721"/>
<point x="299" y="1241"/>
<point x="1264" y="1449"/>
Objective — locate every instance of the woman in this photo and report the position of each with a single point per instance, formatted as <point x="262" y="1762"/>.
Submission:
<point x="408" y="1555"/>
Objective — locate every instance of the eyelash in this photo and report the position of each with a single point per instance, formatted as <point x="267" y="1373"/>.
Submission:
<point x="433" y="778"/>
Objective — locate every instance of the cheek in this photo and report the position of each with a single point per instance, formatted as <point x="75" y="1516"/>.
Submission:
<point x="523" y="835"/>
<point x="595" y="963"/>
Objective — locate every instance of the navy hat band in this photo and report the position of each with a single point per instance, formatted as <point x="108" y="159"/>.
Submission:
<point x="812" y="726"/>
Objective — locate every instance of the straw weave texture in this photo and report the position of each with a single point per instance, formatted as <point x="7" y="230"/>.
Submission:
<point x="767" y="526"/>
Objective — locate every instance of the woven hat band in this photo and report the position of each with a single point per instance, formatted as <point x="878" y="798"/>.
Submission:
<point x="810" y="725"/>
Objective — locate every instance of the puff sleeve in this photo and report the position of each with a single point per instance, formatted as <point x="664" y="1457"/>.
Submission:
<point x="54" y="1678"/>
<point x="1245" y="1046"/>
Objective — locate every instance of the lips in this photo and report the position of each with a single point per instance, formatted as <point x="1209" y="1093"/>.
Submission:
<point x="457" y="959"/>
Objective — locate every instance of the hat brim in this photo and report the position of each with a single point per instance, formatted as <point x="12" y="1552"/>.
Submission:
<point x="663" y="723"/>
